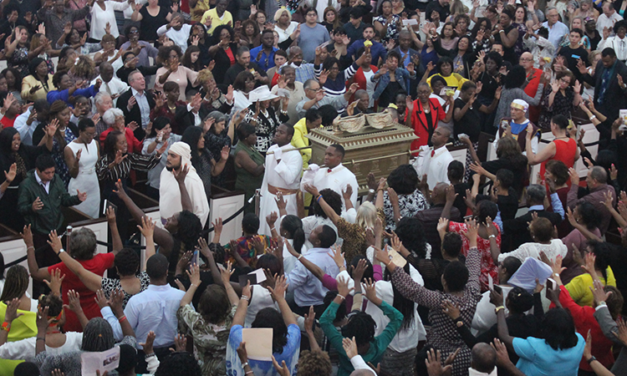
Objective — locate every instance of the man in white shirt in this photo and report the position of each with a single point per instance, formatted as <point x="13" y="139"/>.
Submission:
<point x="110" y="83"/>
<point x="435" y="162"/>
<point x="608" y="18"/>
<point x="308" y="290"/>
<point x="282" y="176"/>
<point x="618" y="42"/>
<point x="334" y="175"/>
<point x="173" y="176"/>
<point x="151" y="310"/>
<point x="557" y="29"/>
<point x="177" y="30"/>
<point x="27" y="122"/>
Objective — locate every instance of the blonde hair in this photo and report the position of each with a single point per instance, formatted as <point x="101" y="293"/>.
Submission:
<point x="366" y="215"/>
<point x="204" y="75"/>
<point x="279" y="13"/>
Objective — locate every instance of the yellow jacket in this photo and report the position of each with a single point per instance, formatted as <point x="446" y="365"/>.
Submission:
<point x="299" y="140"/>
<point x="30" y="82"/>
<point x="22" y="327"/>
<point x="579" y="287"/>
<point x="215" y="19"/>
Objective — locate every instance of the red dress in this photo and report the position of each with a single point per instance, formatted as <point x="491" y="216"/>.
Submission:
<point x="483" y="245"/>
<point x="565" y="151"/>
<point x="420" y="121"/>
<point x="98" y="265"/>
<point x="531" y="89"/>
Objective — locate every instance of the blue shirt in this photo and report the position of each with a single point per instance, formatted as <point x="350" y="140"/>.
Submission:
<point x="377" y="50"/>
<point x="64" y="95"/>
<point x="290" y="354"/>
<point x="265" y="61"/>
<point x="153" y="309"/>
<point x="308" y="289"/>
<point x="537" y="358"/>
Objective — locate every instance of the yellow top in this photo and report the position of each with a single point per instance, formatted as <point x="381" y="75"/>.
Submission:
<point x="454" y="80"/>
<point x="23" y="327"/>
<point x="579" y="287"/>
<point x="299" y="140"/>
<point x="216" y="20"/>
<point x="30" y="82"/>
<point x="199" y="10"/>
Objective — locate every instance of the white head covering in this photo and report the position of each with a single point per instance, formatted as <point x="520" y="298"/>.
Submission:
<point x="262" y="93"/>
<point x="182" y="149"/>
<point x="520" y="104"/>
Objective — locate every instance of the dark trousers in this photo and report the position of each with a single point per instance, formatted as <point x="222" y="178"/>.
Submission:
<point x="160" y="352"/>
<point x="319" y="309"/>
<point x="45" y="256"/>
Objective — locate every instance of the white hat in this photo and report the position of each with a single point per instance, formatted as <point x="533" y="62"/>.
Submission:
<point x="262" y="93"/>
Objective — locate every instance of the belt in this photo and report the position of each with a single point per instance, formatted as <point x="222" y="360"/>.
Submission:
<point x="284" y="191"/>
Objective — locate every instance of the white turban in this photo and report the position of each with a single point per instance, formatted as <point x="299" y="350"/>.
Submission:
<point x="520" y="104"/>
<point x="183" y="149"/>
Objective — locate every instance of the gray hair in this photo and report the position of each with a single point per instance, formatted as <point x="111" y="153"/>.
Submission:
<point x="360" y="92"/>
<point x="548" y="9"/>
<point x="599" y="174"/>
<point x="132" y="75"/>
<point x="219" y="116"/>
<point x="536" y="193"/>
<point x="286" y="68"/>
<point x="110" y="115"/>
<point x="308" y="83"/>
<point x="100" y="97"/>
<point x="83" y="244"/>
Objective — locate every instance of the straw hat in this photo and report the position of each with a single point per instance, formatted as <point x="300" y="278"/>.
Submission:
<point x="260" y="94"/>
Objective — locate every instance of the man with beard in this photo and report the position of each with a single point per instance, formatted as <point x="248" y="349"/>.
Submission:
<point x="177" y="176"/>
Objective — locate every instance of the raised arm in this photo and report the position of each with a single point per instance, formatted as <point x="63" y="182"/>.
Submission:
<point x="180" y="175"/>
<point x="91" y="280"/>
<point x="242" y="306"/>
<point x="75" y="306"/>
<point x="194" y="278"/>
<point x="278" y="294"/>
<point x="35" y="271"/>
<point x="331" y="214"/>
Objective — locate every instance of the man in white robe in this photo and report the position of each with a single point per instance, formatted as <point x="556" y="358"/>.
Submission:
<point x="334" y="175"/>
<point x="435" y="162"/>
<point x="282" y="175"/>
<point x="179" y="157"/>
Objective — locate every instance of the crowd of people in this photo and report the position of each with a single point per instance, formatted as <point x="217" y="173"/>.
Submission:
<point x="438" y="267"/>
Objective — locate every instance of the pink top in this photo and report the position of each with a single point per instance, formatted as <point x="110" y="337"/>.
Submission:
<point x="180" y="77"/>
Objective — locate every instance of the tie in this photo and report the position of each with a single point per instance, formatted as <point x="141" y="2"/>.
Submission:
<point x="329" y="171"/>
<point x="432" y="153"/>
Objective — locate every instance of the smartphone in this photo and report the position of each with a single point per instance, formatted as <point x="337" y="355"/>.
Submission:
<point x="498" y="289"/>
<point x="108" y="204"/>
<point x="550" y="284"/>
<point x="575" y="57"/>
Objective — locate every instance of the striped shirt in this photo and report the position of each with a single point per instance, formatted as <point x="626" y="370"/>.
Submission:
<point x="337" y="87"/>
<point x="121" y="171"/>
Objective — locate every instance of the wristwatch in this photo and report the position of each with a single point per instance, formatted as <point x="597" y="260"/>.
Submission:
<point x="592" y="359"/>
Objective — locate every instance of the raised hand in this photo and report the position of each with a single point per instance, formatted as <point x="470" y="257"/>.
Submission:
<point x="74" y="300"/>
<point x="338" y="256"/>
<point x="37" y="205"/>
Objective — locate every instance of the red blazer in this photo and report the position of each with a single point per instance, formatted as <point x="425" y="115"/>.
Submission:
<point x="420" y="124"/>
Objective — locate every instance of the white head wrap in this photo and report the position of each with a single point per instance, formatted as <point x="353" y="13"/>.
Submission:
<point x="182" y="149"/>
<point x="520" y="104"/>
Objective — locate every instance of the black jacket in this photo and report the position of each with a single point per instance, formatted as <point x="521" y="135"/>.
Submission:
<point x="615" y="97"/>
<point x="236" y="69"/>
<point x="516" y="231"/>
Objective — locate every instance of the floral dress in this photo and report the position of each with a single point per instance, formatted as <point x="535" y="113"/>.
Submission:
<point x="215" y="143"/>
<point x="265" y="124"/>
<point x="19" y="61"/>
<point x="111" y="284"/>
<point x="483" y="245"/>
<point x="57" y="154"/>
<point x="409" y="205"/>
<point x="210" y="340"/>
<point x="562" y="105"/>
<point x="354" y="236"/>
<point x="392" y="32"/>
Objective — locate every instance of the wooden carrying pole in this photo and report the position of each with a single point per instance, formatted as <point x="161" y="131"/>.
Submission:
<point x="285" y="151"/>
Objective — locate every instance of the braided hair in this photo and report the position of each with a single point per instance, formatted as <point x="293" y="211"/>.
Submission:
<point x="98" y="335"/>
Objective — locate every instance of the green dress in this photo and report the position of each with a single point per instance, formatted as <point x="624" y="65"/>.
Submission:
<point x="245" y="180"/>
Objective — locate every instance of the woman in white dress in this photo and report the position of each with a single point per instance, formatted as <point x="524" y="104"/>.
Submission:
<point x="103" y="13"/>
<point x="284" y="25"/>
<point x="81" y="156"/>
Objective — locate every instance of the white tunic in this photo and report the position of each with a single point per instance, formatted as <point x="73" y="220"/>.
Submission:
<point x="435" y="165"/>
<point x="336" y="179"/>
<point x="170" y="195"/>
<point x="283" y="174"/>
<point x="100" y="18"/>
<point x="86" y="180"/>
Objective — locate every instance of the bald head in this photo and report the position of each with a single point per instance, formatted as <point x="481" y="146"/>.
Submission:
<point x="439" y="194"/>
<point x="483" y="358"/>
<point x="526" y="60"/>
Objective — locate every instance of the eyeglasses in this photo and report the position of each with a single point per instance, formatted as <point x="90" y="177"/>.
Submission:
<point x="134" y="32"/>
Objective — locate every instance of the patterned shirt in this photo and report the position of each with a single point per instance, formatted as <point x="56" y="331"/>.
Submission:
<point x="210" y="340"/>
<point x="111" y="284"/>
<point x="443" y="334"/>
<point x="483" y="245"/>
<point x="409" y="205"/>
<point x="133" y="161"/>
